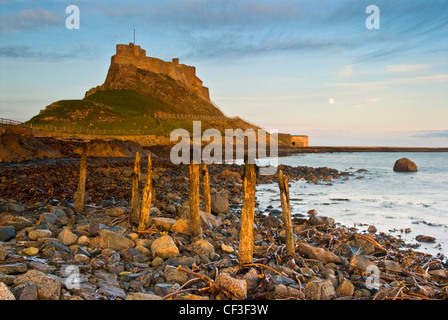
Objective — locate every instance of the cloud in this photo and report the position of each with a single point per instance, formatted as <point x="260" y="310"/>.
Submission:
<point x="27" y="52"/>
<point x="406" y="68"/>
<point x="365" y="102"/>
<point x="443" y="134"/>
<point x="436" y="78"/>
<point x="346" y="72"/>
<point x="29" y="20"/>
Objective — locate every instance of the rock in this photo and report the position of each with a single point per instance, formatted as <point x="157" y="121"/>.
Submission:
<point x="142" y="296"/>
<point x="112" y="292"/>
<point x="49" y="218"/>
<point x="163" y="289"/>
<point x="220" y="203"/>
<point x="371" y="229"/>
<point x="30" y="251"/>
<point x="15" y="208"/>
<point x="164" y="247"/>
<point x="67" y="237"/>
<point x="83" y="240"/>
<point x="48" y="288"/>
<point x="312" y="212"/>
<point x="5" y="293"/>
<point x="318" y="253"/>
<point x="39" y="233"/>
<point x="281" y="279"/>
<point x="345" y="289"/>
<point x="343" y="249"/>
<point x="7" y="233"/>
<point x="360" y="262"/>
<point x="17" y="144"/>
<point x="227" y="249"/>
<point x="366" y="246"/>
<point x="183" y="261"/>
<point x="235" y="286"/>
<point x="251" y="278"/>
<point x="19" y="223"/>
<point x="209" y="221"/>
<point x="26" y="291"/>
<point x="283" y="291"/>
<point x="172" y="197"/>
<point x="115" y="212"/>
<point x="112" y="148"/>
<point x="3" y="252"/>
<point x="113" y="240"/>
<point x="405" y="165"/>
<point x="422" y="238"/>
<point x="163" y="223"/>
<point x="392" y="266"/>
<point x="319" y="290"/>
<point x="181" y="226"/>
<point x="439" y="273"/>
<point x="173" y="275"/>
<point x="307" y="272"/>
<point x="13" y="268"/>
<point x="203" y="247"/>
<point x="157" y="261"/>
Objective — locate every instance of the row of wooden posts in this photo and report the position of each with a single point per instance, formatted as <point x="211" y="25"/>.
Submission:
<point x="141" y="204"/>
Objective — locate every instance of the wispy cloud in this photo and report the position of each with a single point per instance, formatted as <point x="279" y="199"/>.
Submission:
<point x="406" y="68"/>
<point x="27" y="52"/>
<point x="436" y="78"/>
<point x="432" y="134"/>
<point x="29" y="20"/>
<point x="365" y="102"/>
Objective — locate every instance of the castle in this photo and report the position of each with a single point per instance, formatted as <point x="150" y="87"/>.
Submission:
<point x="134" y="55"/>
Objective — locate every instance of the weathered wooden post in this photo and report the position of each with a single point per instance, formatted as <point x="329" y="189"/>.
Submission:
<point x="195" y="220"/>
<point x="286" y="212"/>
<point x="80" y="193"/>
<point x="206" y="185"/>
<point x="246" y="245"/>
<point x="147" y="198"/>
<point x="135" y="200"/>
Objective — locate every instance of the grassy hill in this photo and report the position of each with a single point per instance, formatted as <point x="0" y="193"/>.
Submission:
<point x="119" y="112"/>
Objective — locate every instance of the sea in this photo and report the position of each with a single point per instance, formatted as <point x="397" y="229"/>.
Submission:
<point x="402" y="204"/>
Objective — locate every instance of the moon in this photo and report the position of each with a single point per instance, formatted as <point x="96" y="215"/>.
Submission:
<point x="331" y="101"/>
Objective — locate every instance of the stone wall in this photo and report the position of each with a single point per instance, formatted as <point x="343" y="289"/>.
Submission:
<point x="132" y="54"/>
<point x="299" y="141"/>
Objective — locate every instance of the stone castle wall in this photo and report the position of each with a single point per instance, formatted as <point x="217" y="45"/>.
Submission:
<point x="135" y="55"/>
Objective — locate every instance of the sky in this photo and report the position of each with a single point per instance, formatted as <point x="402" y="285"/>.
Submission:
<point x="301" y="67"/>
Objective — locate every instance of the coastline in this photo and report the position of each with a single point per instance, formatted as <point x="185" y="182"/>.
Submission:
<point x="334" y="149"/>
<point x="331" y="260"/>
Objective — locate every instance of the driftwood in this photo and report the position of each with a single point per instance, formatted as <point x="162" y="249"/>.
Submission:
<point x="135" y="200"/>
<point x="286" y="212"/>
<point x="80" y="193"/>
<point x="148" y="193"/>
<point x="246" y="245"/>
<point x="206" y="185"/>
<point x="195" y="219"/>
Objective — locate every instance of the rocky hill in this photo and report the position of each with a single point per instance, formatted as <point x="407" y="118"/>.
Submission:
<point x="141" y="95"/>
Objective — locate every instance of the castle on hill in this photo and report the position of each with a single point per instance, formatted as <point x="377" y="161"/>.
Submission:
<point x="134" y="55"/>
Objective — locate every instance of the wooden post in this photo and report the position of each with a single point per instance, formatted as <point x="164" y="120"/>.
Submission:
<point x="206" y="184"/>
<point x="195" y="220"/>
<point x="286" y="212"/>
<point x="246" y="245"/>
<point x="135" y="200"/>
<point x="147" y="198"/>
<point x="80" y="193"/>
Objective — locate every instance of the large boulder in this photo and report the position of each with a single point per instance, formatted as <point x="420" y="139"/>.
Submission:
<point x="17" y="144"/>
<point x="112" y="148"/>
<point x="405" y="165"/>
